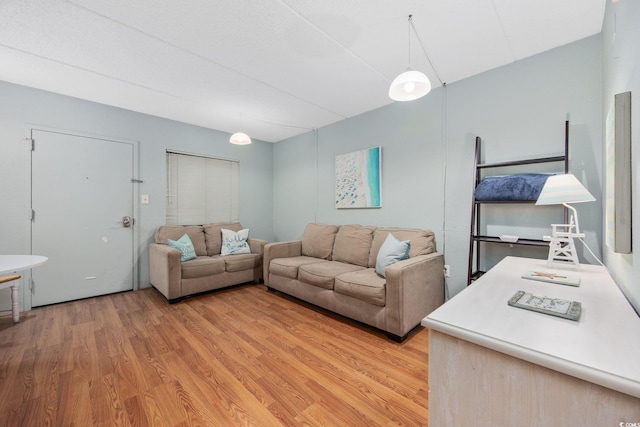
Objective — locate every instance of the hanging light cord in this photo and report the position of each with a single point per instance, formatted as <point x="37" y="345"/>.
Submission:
<point x="447" y="294"/>
<point x="409" y="37"/>
<point x="423" y="49"/>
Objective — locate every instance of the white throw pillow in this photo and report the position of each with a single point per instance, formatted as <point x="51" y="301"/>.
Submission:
<point x="391" y="251"/>
<point x="235" y="242"/>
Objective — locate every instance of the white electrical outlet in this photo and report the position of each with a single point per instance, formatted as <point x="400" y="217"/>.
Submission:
<point x="447" y="271"/>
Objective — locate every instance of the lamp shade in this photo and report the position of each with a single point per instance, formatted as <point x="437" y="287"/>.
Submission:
<point x="565" y="188"/>
<point x="240" y="138"/>
<point x="409" y="85"/>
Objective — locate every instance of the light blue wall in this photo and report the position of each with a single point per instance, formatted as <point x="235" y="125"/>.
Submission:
<point x="427" y="145"/>
<point x="427" y="149"/>
<point x="620" y="36"/>
<point x="21" y="107"/>
<point x="411" y="183"/>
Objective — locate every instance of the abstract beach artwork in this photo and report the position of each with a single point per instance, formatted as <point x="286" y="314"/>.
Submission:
<point x="359" y="179"/>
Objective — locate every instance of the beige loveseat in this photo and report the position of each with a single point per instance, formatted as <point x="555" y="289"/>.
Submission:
<point x="210" y="270"/>
<point x="334" y="267"/>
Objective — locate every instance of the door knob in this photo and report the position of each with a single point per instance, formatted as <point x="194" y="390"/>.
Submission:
<point x="127" y="221"/>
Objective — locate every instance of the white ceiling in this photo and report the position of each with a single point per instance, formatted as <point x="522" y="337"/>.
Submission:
<point x="272" y="68"/>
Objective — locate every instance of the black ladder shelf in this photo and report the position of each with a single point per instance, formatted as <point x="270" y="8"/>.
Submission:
<point x="476" y="239"/>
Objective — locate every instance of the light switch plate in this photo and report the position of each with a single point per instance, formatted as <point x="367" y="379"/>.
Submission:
<point x="144" y="199"/>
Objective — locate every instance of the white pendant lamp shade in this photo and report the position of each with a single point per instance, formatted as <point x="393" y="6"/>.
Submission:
<point x="240" y="138"/>
<point x="409" y="85"/>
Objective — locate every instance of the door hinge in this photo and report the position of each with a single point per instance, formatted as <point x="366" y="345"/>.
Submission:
<point x="33" y="215"/>
<point x="33" y="143"/>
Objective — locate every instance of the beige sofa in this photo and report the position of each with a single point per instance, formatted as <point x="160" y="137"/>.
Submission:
<point x="210" y="270"/>
<point x="334" y="267"/>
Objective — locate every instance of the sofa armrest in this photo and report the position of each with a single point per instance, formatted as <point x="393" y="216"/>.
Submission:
<point x="256" y="245"/>
<point x="415" y="287"/>
<point x="279" y="250"/>
<point x="165" y="272"/>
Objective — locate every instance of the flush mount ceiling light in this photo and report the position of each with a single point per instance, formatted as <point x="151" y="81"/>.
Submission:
<point x="240" y="138"/>
<point x="411" y="84"/>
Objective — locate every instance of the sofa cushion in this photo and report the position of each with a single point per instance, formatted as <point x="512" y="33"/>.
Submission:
<point x="317" y="240"/>
<point x="364" y="285"/>
<point x="174" y="232"/>
<point x="422" y="241"/>
<point x="201" y="267"/>
<point x="213" y="235"/>
<point x="353" y="244"/>
<point x="241" y="262"/>
<point x="322" y="274"/>
<point x="288" y="267"/>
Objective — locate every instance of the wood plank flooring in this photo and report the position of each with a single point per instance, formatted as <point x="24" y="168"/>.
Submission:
<point x="241" y="356"/>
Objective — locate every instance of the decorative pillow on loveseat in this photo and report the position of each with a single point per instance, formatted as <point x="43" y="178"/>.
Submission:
<point x="391" y="251"/>
<point x="235" y="242"/>
<point x="174" y="232"/>
<point x="213" y="235"/>
<point x="184" y="245"/>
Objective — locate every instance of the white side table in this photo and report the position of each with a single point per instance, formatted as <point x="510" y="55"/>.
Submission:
<point x="10" y="264"/>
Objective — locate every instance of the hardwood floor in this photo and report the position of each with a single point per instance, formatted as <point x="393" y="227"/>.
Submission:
<point x="241" y="356"/>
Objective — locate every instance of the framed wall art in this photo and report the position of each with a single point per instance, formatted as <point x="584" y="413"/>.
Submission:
<point x="359" y="179"/>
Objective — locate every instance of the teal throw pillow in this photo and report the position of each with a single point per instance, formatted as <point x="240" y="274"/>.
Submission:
<point x="235" y="242"/>
<point x="185" y="246"/>
<point x="391" y="251"/>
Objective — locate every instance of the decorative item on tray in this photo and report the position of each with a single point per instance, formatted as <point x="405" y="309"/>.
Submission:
<point x="560" y="278"/>
<point x="553" y="306"/>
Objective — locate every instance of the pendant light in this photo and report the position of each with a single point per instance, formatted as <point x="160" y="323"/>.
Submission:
<point x="240" y="138"/>
<point x="411" y="84"/>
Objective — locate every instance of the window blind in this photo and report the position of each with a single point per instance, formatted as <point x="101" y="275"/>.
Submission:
<point x="201" y="190"/>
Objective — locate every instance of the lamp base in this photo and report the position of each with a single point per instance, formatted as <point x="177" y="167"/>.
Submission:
<point x="562" y="248"/>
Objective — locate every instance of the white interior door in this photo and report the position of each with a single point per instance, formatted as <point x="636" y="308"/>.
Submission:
<point x="81" y="190"/>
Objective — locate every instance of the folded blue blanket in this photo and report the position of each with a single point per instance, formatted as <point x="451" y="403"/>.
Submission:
<point x="518" y="187"/>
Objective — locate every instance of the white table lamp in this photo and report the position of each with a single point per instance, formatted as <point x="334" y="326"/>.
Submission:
<point x="562" y="190"/>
